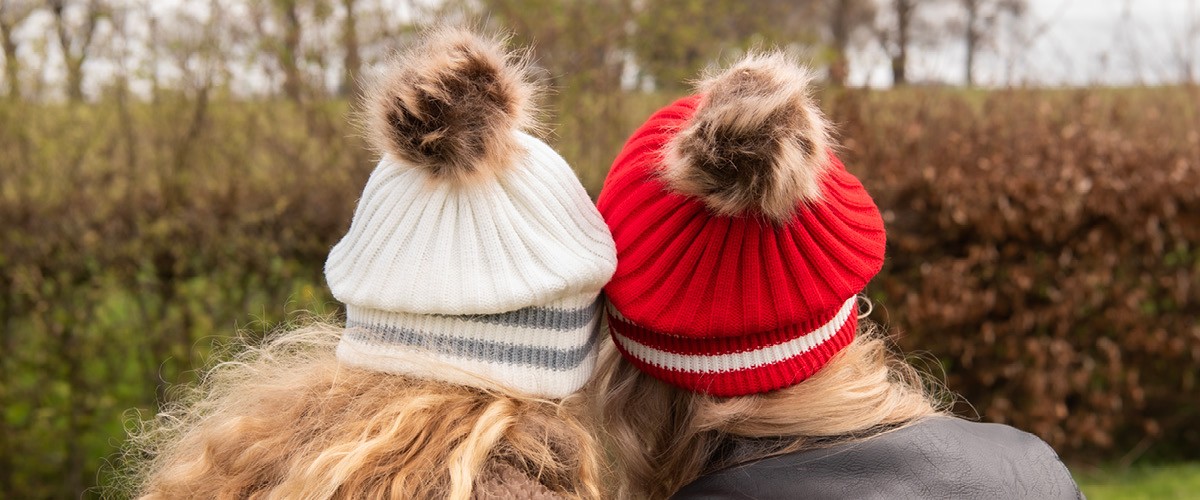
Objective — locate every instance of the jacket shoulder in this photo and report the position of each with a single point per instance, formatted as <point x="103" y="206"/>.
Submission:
<point x="938" y="457"/>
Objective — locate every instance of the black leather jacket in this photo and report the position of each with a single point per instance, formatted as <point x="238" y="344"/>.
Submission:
<point x="939" y="457"/>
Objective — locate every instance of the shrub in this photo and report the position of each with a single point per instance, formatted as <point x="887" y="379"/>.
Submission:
<point x="1044" y="246"/>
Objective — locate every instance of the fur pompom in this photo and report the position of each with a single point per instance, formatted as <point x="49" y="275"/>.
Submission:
<point x="757" y="142"/>
<point x="451" y="103"/>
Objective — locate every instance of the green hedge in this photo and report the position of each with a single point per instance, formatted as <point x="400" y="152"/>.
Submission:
<point x="1045" y="246"/>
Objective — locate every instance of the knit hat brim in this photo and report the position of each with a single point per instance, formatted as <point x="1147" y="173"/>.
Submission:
<point x="547" y="351"/>
<point x="735" y="366"/>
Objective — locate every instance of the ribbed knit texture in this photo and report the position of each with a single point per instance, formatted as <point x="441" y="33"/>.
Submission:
<point x="690" y="282"/>
<point x="499" y="278"/>
<point x="422" y="245"/>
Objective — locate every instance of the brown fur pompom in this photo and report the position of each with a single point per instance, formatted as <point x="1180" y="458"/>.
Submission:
<point x="757" y="142"/>
<point x="451" y="103"/>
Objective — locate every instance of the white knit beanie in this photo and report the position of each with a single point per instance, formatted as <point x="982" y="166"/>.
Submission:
<point x="474" y="243"/>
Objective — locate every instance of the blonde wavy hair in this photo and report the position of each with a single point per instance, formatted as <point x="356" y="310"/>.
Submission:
<point x="286" y="420"/>
<point x="661" y="437"/>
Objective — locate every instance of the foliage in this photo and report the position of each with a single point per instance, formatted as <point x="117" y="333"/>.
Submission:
<point x="132" y="238"/>
<point x="1044" y="246"/>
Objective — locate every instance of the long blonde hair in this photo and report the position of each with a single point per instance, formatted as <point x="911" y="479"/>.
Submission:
<point x="662" y="437"/>
<point x="286" y="420"/>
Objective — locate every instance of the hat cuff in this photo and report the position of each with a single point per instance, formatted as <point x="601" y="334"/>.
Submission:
<point x="727" y="366"/>
<point x="547" y="351"/>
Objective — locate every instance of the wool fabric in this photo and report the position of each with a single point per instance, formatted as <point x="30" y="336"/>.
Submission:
<point x="499" y="278"/>
<point x="732" y="305"/>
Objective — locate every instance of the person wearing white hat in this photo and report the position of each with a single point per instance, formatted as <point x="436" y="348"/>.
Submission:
<point x="471" y="275"/>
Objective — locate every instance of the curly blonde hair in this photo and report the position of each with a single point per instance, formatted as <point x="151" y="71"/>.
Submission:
<point x="286" y="420"/>
<point x="662" y="437"/>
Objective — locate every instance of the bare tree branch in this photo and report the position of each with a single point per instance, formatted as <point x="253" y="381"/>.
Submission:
<point x="76" y="41"/>
<point x="12" y="14"/>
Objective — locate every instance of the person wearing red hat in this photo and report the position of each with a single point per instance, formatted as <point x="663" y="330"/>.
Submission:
<point x="739" y="367"/>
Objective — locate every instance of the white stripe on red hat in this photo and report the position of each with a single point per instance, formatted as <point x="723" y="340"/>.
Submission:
<point x="737" y="361"/>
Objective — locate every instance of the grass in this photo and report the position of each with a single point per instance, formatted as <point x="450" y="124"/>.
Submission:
<point x="1150" y="481"/>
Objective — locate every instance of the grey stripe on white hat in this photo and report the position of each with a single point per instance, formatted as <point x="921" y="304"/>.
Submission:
<point x="558" y="359"/>
<point x="538" y="317"/>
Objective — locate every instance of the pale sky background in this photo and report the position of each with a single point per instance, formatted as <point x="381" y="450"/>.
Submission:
<point x="1081" y="42"/>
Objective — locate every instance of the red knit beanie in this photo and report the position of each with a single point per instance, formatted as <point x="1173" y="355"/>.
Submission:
<point x="741" y="239"/>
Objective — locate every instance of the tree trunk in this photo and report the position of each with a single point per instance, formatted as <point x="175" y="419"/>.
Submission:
<point x="839" y="66"/>
<point x="353" y="61"/>
<point x="12" y="66"/>
<point x="293" y="87"/>
<point x="972" y="38"/>
<point x="75" y="80"/>
<point x="155" y="56"/>
<point x="75" y="50"/>
<point x="900" y="58"/>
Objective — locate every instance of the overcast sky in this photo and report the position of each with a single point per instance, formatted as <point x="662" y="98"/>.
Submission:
<point x="1074" y="42"/>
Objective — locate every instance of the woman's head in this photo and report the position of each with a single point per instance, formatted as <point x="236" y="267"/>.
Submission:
<point x="471" y="275"/>
<point x="473" y="242"/>
<point x="721" y="287"/>
<point x="742" y="244"/>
